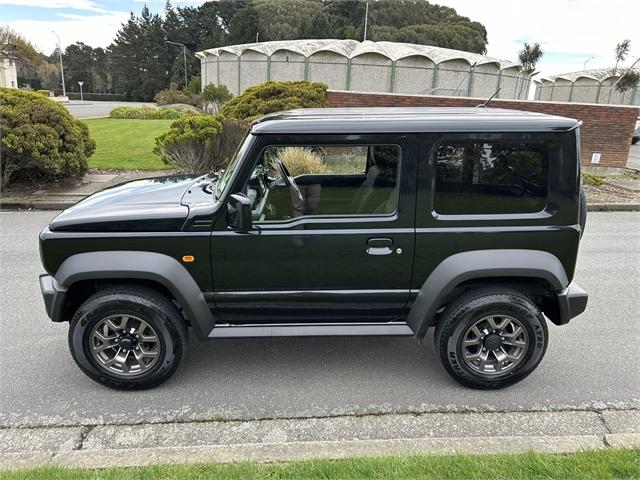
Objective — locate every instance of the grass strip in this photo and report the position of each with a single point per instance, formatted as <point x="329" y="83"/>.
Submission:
<point x="600" y="464"/>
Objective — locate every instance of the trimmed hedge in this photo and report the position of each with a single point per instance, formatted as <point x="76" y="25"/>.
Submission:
<point x="143" y="113"/>
<point x="270" y="97"/>
<point x="98" y="97"/>
<point x="40" y="138"/>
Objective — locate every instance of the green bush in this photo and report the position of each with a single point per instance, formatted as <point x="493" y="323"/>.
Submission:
<point x="272" y="97"/>
<point x="43" y="92"/>
<point x="145" y="113"/>
<point x="193" y="87"/>
<point x="592" y="179"/>
<point x="200" y="143"/>
<point x="214" y="97"/>
<point x="183" y="108"/>
<point x="40" y="138"/>
<point x="173" y="95"/>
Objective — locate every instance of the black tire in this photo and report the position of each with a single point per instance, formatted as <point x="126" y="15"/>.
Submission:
<point x="583" y="210"/>
<point x="136" y="302"/>
<point x="474" y="306"/>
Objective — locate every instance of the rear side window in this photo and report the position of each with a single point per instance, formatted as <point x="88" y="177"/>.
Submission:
<point x="493" y="177"/>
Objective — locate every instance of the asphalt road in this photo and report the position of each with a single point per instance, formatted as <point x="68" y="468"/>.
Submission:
<point x="634" y="157"/>
<point x="96" y="109"/>
<point x="592" y="363"/>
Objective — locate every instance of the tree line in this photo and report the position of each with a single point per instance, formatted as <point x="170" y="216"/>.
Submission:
<point x="139" y="62"/>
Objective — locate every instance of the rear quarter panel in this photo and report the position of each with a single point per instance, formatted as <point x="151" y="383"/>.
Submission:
<point x="554" y="229"/>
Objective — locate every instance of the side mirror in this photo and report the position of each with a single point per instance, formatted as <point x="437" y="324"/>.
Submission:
<point x="239" y="212"/>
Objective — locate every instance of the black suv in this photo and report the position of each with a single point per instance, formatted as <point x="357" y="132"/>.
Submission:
<point x="334" y="222"/>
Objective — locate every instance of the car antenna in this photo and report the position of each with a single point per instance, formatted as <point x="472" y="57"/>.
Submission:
<point x="483" y="105"/>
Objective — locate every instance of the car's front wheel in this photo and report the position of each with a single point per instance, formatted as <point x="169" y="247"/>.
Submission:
<point x="491" y="338"/>
<point x="128" y="337"/>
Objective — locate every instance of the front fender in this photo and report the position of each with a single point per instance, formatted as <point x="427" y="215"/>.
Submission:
<point x="478" y="264"/>
<point x="152" y="266"/>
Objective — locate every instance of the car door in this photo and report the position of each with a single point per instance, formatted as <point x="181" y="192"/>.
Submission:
<point x="339" y="250"/>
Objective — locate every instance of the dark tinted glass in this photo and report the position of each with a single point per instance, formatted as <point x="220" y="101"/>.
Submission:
<point x="491" y="177"/>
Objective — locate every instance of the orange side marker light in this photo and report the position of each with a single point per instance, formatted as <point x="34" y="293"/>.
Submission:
<point x="188" y="258"/>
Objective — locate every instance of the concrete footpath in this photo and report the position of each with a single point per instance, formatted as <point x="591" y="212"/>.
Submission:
<point x="99" y="446"/>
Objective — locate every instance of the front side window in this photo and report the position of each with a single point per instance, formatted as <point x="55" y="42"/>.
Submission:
<point x="323" y="180"/>
<point x="493" y="177"/>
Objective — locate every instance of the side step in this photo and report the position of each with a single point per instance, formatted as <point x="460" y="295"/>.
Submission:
<point x="310" y="330"/>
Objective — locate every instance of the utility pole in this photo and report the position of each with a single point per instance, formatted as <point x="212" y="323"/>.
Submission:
<point x="184" y="56"/>
<point x="366" y="21"/>
<point x="64" y="90"/>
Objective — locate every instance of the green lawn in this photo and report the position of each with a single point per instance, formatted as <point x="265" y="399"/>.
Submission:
<point x="601" y="465"/>
<point x="126" y="144"/>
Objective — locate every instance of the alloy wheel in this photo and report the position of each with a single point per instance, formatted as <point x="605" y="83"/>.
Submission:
<point x="124" y="345"/>
<point x="495" y="344"/>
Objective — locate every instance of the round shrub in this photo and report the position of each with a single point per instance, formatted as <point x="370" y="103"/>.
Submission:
<point x="40" y="138"/>
<point x="43" y="92"/>
<point x="270" y="97"/>
<point x="200" y="143"/>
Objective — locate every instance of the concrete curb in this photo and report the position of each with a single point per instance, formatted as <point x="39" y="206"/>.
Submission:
<point x="292" y="451"/>
<point x="613" y="207"/>
<point x="284" y="440"/>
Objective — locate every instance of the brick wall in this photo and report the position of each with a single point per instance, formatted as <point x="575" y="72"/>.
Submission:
<point x="606" y="129"/>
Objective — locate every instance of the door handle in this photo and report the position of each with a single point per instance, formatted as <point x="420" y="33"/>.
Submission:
<point x="379" y="246"/>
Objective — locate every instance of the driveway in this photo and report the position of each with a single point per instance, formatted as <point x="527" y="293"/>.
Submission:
<point x="634" y="157"/>
<point x="592" y="363"/>
<point x="97" y="109"/>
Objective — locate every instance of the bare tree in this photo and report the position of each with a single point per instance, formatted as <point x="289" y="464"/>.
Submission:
<point x="622" y="50"/>
<point x="529" y="57"/>
<point x="630" y="78"/>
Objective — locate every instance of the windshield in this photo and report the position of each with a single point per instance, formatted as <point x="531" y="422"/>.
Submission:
<point x="226" y="175"/>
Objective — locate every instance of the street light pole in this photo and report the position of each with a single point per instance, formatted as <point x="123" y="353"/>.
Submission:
<point x="584" y="65"/>
<point x="64" y="90"/>
<point x="184" y="57"/>
<point x="366" y="21"/>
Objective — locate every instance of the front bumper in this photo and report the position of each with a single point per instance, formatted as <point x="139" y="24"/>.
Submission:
<point x="572" y="301"/>
<point x="53" y="294"/>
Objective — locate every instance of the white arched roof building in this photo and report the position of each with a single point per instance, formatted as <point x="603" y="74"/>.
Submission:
<point x="364" y="66"/>
<point x="589" y="86"/>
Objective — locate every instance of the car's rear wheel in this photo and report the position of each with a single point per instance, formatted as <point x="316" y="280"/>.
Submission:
<point x="128" y="337"/>
<point x="491" y="338"/>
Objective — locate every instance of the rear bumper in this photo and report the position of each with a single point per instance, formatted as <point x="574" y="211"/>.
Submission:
<point x="53" y="294"/>
<point x="572" y="301"/>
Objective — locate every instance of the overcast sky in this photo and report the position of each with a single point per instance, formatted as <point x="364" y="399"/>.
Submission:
<point x="570" y="31"/>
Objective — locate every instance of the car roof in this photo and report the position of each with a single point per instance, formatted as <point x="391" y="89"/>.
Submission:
<point x="408" y="120"/>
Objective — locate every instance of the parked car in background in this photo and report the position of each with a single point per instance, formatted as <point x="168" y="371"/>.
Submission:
<point x="636" y="133"/>
<point x="334" y="222"/>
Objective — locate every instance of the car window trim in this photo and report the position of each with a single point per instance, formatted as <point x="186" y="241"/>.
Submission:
<point x="350" y="216"/>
